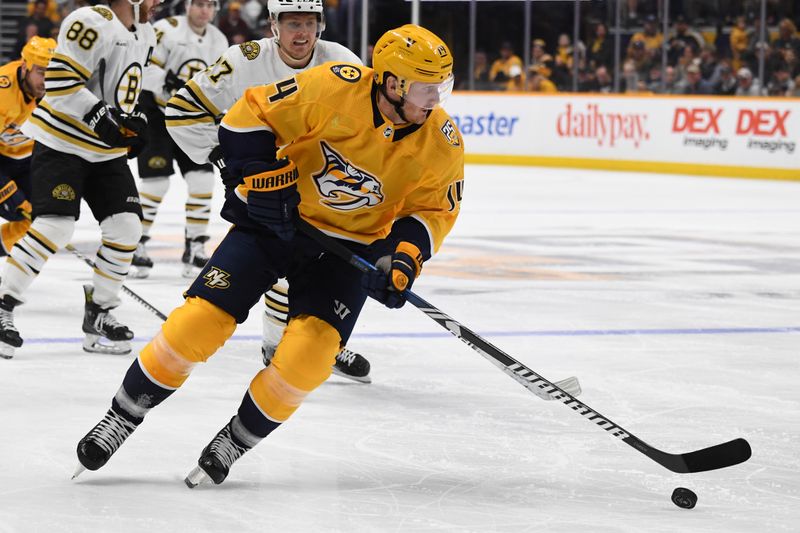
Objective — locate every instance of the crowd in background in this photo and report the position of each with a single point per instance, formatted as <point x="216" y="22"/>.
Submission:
<point x="720" y="58"/>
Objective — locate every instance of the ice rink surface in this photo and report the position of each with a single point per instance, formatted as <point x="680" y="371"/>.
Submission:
<point x="676" y="300"/>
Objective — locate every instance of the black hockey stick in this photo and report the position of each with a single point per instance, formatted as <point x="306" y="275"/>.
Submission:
<point x="125" y="289"/>
<point x="712" y="458"/>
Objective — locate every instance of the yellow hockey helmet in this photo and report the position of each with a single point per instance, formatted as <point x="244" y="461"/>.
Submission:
<point x="421" y="62"/>
<point x="38" y="51"/>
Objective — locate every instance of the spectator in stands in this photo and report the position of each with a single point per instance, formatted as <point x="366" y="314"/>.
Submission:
<point x="746" y="84"/>
<point x="780" y="83"/>
<point x="564" y="51"/>
<point x="670" y="85"/>
<point x="39" y="17"/>
<point x="652" y="38"/>
<point x="603" y="81"/>
<point x="506" y="71"/>
<point x="740" y="37"/>
<point x="480" y="75"/>
<point x="538" y="79"/>
<point x="537" y="51"/>
<point x="726" y="84"/>
<point x="709" y="66"/>
<point x="694" y="82"/>
<point x="683" y="36"/>
<point x="51" y="11"/>
<point x="233" y="26"/>
<point x="641" y="58"/>
<point x="654" y="78"/>
<point x="792" y="62"/>
<point x="601" y="50"/>
<point x="787" y="36"/>
<point x="630" y="78"/>
<point x="796" y="92"/>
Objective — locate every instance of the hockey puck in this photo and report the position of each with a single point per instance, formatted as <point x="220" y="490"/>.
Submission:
<point x="684" y="498"/>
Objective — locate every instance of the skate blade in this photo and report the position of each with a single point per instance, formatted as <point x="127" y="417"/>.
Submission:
<point x="196" y="477"/>
<point x="92" y="344"/>
<point x="78" y="471"/>
<point x="359" y="379"/>
<point x="7" y="351"/>
<point x="190" y="271"/>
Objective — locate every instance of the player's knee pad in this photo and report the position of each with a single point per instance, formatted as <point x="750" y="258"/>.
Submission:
<point x="54" y="231"/>
<point x="197" y="329"/>
<point x="121" y="230"/>
<point x="307" y="352"/>
<point x="154" y="188"/>
<point x="199" y="182"/>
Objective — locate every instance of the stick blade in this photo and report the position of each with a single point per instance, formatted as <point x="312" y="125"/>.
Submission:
<point x="720" y="456"/>
<point x="712" y="458"/>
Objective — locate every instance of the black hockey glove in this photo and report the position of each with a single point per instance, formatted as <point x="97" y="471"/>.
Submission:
<point x="104" y="120"/>
<point x="172" y="82"/>
<point x="134" y="125"/>
<point x="12" y="202"/>
<point x="395" y="273"/>
<point x="272" y="197"/>
<point x="217" y="158"/>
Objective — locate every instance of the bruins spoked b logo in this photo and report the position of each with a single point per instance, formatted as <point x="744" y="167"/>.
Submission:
<point x="63" y="192"/>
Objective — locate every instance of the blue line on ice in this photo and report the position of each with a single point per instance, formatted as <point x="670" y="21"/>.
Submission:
<point x="545" y="333"/>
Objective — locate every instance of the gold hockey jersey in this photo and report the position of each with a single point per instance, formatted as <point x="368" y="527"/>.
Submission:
<point x="15" y="108"/>
<point x="97" y="58"/>
<point x="358" y="171"/>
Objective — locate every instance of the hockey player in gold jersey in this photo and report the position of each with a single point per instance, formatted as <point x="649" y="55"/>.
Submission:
<point x="21" y="87"/>
<point x="368" y="157"/>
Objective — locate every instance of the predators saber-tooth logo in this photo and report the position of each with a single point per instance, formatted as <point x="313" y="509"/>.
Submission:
<point x="343" y="186"/>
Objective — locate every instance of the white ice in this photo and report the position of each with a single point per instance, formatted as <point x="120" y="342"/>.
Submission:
<point x="676" y="300"/>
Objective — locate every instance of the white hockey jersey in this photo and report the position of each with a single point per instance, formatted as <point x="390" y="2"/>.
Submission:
<point x="180" y="50"/>
<point x="97" y="58"/>
<point x="193" y="113"/>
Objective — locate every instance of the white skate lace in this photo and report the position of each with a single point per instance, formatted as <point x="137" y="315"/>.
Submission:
<point x="197" y="249"/>
<point x="225" y="449"/>
<point x="7" y="320"/>
<point x="104" y="318"/>
<point x="141" y="252"/>
<point x="346" y="356"/>
<point x="111" y="432"/>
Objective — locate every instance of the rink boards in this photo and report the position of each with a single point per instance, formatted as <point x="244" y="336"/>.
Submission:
<point x="712" y="136"/>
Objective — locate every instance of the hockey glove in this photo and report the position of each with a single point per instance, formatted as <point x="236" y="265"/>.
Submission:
<point x="105" y="122"/>
<point x="134" y="128"/>
<point x="395" y="273"/>
<point x="270" y="190"/>
<point x="12" y="202"/>
<point x="172" y="83"/>
<point x="217" y="158"/>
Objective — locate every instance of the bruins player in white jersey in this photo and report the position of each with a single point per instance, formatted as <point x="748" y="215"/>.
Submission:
<point x="369" y="158"/>
<point x="83" y="129"/>
<point x="187" y="44"/>
<point x="194" y="113"/>
<point x="21" y="88"/>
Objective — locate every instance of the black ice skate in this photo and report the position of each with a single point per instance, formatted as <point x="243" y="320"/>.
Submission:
<point x="99" y="323"/>
<point x="141" y="263"/>
<point x="194" y="256"/>
<point x="9" y="336"/>
<point x="97" y="447"/>
<point x="216" y="460"/>
<point x="352" y="365"/>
